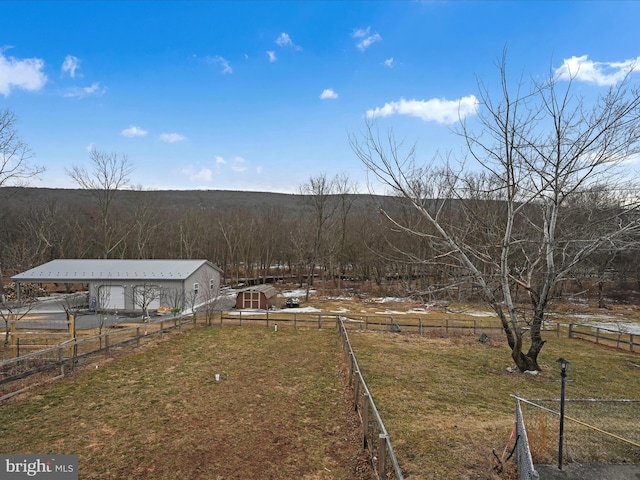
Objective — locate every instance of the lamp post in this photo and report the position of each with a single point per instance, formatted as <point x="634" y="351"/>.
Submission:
<point x="563" y="380"/>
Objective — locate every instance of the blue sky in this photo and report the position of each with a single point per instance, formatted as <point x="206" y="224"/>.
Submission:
<point x="263" y="95"/>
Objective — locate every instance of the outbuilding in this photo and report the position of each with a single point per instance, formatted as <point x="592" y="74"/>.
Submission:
<point x="260" y="297"/>
<point x="134" y="285"/>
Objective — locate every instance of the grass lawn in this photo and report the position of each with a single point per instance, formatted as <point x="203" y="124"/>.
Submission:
<point x="279" y="410"/>
<point x="446" y="401"/>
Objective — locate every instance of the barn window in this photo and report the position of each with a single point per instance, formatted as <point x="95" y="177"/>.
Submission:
<point x="195" y="288"/>
<point x="212" y="284"/>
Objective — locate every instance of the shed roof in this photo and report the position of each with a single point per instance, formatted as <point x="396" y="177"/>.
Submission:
<point x="74" y="271"/>
<point x="268" y="290"/>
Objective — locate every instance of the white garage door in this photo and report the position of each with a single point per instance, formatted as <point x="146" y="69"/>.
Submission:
<point x="112" y="296"/>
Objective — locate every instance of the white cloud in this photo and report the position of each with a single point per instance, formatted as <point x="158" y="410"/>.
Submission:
<point x="218" y="60"/>
<point x="81" y="92"/>
<point x="360" y="32"/>
<point x="172" y="137"/>
<point x="328" y="94"/>
<point x="388" y="62"/>
<point x="601" y="73"/>
<point x="367" y="39"/>
<point x="133" y="131"/>
<point x="272" y="56"/>
<point x="70" y="65"/>
<point x="203" y="174"/>
<point x="238" y="165"/>
<point x="284" y="40"/>
<point x="220" y="160"/>
<point x="436" y="110"/>
<point x="23" y="74"/>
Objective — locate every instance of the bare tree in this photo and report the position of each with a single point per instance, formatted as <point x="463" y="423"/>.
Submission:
<point x="210" y="291"/>
<point x="12" y="311"/>
<point x="317" y="198"/>
<point x="15" y="154"/>
<point x="15" y="158"/>
<point x="107" y="173"/>
<point x="144" y="295"/>
<point x="536" y="151"/>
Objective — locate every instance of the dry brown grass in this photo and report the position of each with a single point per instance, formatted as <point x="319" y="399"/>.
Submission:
<point x="446" y="400"/>
<point x="279" y="411"/>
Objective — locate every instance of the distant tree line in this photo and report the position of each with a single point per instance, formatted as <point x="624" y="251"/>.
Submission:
<point x="323" y="237"/>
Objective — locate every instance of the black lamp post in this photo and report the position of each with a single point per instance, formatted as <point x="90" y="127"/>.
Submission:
<point x="563" y="380"/>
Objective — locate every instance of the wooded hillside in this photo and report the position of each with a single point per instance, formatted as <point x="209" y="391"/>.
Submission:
<point x="254" y="235"/>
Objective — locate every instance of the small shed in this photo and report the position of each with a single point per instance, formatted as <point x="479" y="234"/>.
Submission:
<point x="259" y="297"/>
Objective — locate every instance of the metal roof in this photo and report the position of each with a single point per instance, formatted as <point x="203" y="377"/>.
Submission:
<point x="268" y="290"/>
<point x="81" y="271"/>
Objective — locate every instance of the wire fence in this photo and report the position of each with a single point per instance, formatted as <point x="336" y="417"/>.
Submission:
<point x="375" y="437"/>
<point x="595" y="430"/>
<point x="526" y="468"/>
<point x="24" y="371"/>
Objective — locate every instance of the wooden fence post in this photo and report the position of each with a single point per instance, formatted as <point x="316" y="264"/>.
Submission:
<point x="382" y="455"/>
<point x="61" y="360"/>
<point x="72" y="334"/>
<point x="12" y="335"/>
<point x="365" y="419"/>
<point x="570" y="330"/>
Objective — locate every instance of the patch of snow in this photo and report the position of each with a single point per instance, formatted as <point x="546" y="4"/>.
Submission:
<point x="481" y="314"/>
<point x="581" y="316"/>
<point x="300" y="292"/>
<point x="388" y="299"/>
<point x="621" y="327"/>
<point x="254" y="311"/>
<point x="342" y="310"/>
